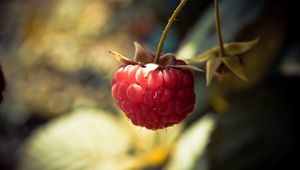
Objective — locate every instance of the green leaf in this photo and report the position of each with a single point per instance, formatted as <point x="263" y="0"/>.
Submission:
<point x="191" y="146"/>
<point x="233" y="63"/>
<point x="237" y="48"/>
<point x="211" y="68"/>
<point x="122" y="58"/>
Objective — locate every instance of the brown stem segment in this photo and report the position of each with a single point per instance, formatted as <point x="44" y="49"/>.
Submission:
<point x="218" y="29"/>
<point x="167" y="29"/>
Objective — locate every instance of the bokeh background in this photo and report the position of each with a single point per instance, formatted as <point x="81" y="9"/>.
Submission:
<point x="57" y="112"/>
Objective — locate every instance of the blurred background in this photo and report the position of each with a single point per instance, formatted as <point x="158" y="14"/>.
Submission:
<point x="57" y="112"/>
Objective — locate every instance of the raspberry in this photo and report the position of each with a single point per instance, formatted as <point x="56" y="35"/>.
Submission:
<point x="154" y="98"/>
<point x="154" y="90"/>
<point x="153" y="95"/>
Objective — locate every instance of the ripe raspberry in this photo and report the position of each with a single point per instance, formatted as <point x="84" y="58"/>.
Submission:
<point x="156" y="98"/>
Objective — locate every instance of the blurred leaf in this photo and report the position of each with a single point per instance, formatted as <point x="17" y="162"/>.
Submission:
<point x="152" y="149"/>
<point x="191" y="145"/>
<point x="80" y="140"/>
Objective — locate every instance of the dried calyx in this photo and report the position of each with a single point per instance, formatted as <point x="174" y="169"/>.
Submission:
<point x="220" y="65"/>
<point x="143" y="57"/>
<point x="224" y="58"/>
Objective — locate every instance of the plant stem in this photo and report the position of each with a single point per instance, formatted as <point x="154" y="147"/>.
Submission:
<point x="167" y="29"/>
<point x="218" y="29"/>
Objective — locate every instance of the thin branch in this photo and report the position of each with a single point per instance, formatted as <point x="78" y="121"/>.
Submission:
<point x="218" y="28"/>
<point x="167" y="29"/>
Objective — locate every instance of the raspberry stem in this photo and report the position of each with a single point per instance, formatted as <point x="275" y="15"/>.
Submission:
<point x="218" y="29"/>
<point x="167" y="29"/>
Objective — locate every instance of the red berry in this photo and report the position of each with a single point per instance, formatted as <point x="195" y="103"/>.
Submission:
<point x="154" y="99"/>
